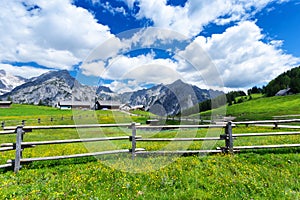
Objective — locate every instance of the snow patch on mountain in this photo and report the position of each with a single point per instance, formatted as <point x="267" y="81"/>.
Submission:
<point x="9" y="81"/>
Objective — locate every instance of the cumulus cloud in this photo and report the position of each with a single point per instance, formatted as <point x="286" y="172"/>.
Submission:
<point x="195" y="14"/>
<point x="143" y="69"/>
<point x="114" y="10"/>
<point x="243" y="58"/>
<point x="58" y="35"/>
<point x="96" y="68"/>
<point x="128" y="86"/>
<point x="236" y="58"/>
<point x="52" y="33"/>
<point x="23" y="71"/>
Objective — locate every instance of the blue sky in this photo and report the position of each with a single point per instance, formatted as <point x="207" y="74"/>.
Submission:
<point x="132" y="44"/>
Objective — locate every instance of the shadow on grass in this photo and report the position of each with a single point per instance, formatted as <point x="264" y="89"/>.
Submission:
<point x="271" y="151"/>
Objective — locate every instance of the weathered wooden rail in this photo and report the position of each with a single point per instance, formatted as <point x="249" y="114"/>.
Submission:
<point x="268" y="122"/>
<point x="19" y="146"/>
<point x="228" y="138"/>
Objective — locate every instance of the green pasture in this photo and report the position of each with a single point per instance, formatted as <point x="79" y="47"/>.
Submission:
<point x="256" y="174"/>
<point x="44" y="115"/>
<point x="261" y="108"/>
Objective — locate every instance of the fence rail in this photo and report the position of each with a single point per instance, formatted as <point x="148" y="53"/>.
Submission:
<point x="228" y="138"/>
<point x="32" y="144"/>
<point x="267" y="146"/>
<point x="26" y="160"/>
<point x="30" y="128"/>
<point x="268" y="122"/>
<point x="7" y="132"/>
<point x="264" y="134"/>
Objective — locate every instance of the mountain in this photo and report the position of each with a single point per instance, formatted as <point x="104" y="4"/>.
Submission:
<point x="9" y="82"/>
<point x="169" y="99"/>
<point x="55" y="86"/>
<point x="105" y="93"/>
<point x="49" y="88"/>
<point x="102" y="89"/>
<point x="289" y="79"/>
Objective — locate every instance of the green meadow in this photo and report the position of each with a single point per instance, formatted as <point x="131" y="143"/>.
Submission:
<point x="256" y="174"/>
<point x="262" y="108"/>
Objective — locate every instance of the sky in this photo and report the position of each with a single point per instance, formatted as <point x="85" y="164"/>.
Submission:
<point x="134" y="44"/>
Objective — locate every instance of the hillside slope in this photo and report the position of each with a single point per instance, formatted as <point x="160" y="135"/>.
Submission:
<point x="289" y="79"/>
<point x="262" y="108"/>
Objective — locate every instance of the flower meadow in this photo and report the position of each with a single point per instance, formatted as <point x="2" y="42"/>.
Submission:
<point x="243" y="176"/>
<point x="255" y="174"/>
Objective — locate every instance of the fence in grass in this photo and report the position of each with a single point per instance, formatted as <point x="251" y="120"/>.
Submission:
<point x="52" y="119"/>
<point x="228" y="137"/>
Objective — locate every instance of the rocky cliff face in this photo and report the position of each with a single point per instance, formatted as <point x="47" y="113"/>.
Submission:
<point x="55" y="86"/>
<point x="169" y="99"/>
<point x="50" y="88"/>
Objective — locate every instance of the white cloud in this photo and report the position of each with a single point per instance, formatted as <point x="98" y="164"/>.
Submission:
<point x="155" y="37"/>
<point x="108" y="49"/>
<point x="59" y="35"/>
<point x="190" y="19"/>
<point x="243" y="59"/>
<point x="23" y="71"/>
<point x="143" y="69"/>
<point x="121" y="87"/>
<point x="130" y="3"/>
<point x="93" y="68"/>
<point x="53" y="33"/>
<point x="114" y="10"/>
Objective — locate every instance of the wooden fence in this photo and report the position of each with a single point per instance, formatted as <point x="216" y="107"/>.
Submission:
<point x="228" y="137"/>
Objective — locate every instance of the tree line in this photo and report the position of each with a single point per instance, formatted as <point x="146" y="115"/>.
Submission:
<point x="289" y="79"/>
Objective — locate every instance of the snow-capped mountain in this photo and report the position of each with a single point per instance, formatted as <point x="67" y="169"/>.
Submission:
<point x="55" y="86"/>
<point x="105" y="93"/>
<point x="9" y="81"/>
<point x="169" y="99"/>
<point x="50" y="88"/>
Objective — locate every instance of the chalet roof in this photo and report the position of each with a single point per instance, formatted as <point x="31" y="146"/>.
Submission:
<point x="138" y="106"/>
<point x="109" y="103"/>
<point x="74" y="103"/>
<point x="5" y="102"/>
<point x="283" y="92"/>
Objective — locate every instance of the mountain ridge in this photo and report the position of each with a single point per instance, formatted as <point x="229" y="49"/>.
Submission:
<point x="8" y="81"/>
<point x="169" y="99"/>
<point x="54" y="86"/>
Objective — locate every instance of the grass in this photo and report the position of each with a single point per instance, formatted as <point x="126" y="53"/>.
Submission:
<point x="245" y="176"/>
<point x="258" y="174"/>
<point x="53" y="116"/>
<point x="261" y="108"/>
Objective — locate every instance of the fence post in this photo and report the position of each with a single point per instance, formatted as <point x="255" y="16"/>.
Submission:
<point x="19" y="139"/>
<point x="229" y="138"/>
<point x="133" y="140"/>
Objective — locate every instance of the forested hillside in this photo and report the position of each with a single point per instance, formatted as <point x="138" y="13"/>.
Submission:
<point x="289" y="79"/>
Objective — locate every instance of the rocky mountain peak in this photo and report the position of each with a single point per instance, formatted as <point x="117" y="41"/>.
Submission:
<point x="55" y="86"/>
<point x="169" y="99"/>
<point x="61" y="74"/>
<point x="9" y="81"/>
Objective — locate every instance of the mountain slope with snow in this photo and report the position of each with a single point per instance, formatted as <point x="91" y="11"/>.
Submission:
<point x="169" y="99"/>
<point x="9" y="81"/>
